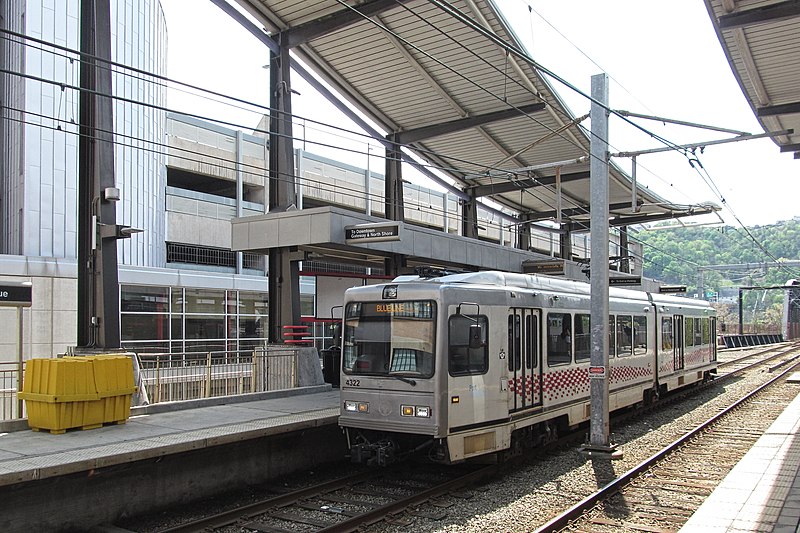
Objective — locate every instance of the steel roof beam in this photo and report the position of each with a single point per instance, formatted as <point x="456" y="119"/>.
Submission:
<point x="642" y="219"/>
<point x="772" y="13"/>
<point x="581" y="226"/>
<point x="779" y="109"/>
<point x="309" y="31"/>
<point x="511" y="186"/>
<point x="435" y="130"/>
<point x="790" y="147"/>
<point x="572" y="212"/>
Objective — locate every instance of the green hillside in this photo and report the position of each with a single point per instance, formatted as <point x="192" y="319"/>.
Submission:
<point x="678" y="255"/>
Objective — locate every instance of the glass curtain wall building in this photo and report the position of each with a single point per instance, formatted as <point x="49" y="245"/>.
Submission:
<point x="39" y="164"/>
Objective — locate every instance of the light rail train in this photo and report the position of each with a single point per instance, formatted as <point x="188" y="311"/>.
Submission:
<point x="464" y="365"/>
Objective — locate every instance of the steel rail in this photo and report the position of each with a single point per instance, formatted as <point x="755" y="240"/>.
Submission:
<point x="379" y="513"/>
<point x="246" y="511"/>
<point x="793" y="346"/>
<point x="563" y="520"/>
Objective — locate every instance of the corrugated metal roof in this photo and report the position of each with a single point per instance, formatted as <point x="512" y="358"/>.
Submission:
<point x="761" y="40"/>
<point x="419" y="63"/>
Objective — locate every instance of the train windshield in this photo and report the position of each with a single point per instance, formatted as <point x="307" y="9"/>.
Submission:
<point x="389" y="338"/>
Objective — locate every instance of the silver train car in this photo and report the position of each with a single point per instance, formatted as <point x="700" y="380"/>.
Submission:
<point x="465" y="365"/>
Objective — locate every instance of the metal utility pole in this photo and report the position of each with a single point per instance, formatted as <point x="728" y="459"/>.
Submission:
<point x="98" y="286"/>
<point x="599" y="370"/>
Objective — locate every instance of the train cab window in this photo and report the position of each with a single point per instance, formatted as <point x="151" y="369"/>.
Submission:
<point x="559" y="339"/>
<point x="639" y="335"/>
<point x="463" y="359"/>
<point x="382" y="339"/>
<point x="583" y="337"/>
<point x="624" y="335"/>
<point x="666" y="333"/>
<point x="688" y="331"/>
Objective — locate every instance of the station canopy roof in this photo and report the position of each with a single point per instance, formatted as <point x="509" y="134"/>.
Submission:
<point x="451" y="79"/>
<point x="762" y="43"/>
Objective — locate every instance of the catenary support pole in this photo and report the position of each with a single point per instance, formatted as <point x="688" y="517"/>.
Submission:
<point x="599" y="372"/>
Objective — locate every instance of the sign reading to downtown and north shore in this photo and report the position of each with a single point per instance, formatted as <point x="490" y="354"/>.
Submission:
<point x="624" y="282"/>
<point x="666" y="289"/>
<point x="15" y="295"/>
<point x="376" y="232"/>
<point x="552" y="266"/>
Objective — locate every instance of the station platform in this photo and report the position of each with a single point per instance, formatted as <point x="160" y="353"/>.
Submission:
<point x="165" y="454"/>
<point x="161" y="429"/>
<point x="762" y="492"/>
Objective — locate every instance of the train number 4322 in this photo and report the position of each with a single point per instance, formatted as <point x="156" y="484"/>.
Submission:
<point x="353" y="382"/>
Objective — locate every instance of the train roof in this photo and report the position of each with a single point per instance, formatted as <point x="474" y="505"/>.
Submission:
<point x="547" y="283"/>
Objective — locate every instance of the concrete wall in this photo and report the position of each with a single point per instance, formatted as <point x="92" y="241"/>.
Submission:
<point x="111" y="494"/>
<point x="50" y="324"/>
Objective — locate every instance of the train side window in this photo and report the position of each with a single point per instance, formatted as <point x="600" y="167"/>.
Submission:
<point x="688" y="331"/>
<point x="666" y="333"/>
<point x="612" y="338"/>
<point x="698" y="335"/>
<point x="706" y="330"/>
<point x="583" y="337"/>
<point x="559" y="339"/>
<point x="639" y="335"/>
<point x="532" y="345"/>
<point x="514" y="343"/>
<point x="463" y="360"/>
<point x="624" y="335"/>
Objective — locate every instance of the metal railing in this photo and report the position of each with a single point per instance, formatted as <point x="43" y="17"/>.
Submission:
<point x="9" y="402"/>
<point x="169" y="377"/>
<point x="172" y="377"/>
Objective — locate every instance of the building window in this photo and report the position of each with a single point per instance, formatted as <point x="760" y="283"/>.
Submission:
<point x="177" y="320"/>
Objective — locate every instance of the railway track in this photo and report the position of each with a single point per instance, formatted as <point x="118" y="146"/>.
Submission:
<point x="661" y="493"/>
<point x="349" y="503"/>
<point x="746" y="361"/>
<point x="543" y="486"/>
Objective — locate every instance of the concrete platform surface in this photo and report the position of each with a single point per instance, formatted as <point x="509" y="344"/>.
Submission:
<point x="163" y="429"/>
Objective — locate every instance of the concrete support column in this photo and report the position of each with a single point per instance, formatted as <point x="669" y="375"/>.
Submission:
<point x="524" y="233"/>
<point x="470" y="222"/>
<point x="393" y="199"/>
<point x="283" y="275"/>
<point x="624" y="251"/>
<point x="98" y="282"/>
<point x="565" y="242"/>
<point x="393" y="191"/>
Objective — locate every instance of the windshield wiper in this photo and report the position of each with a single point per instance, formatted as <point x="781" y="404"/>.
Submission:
<point x="410" y="381"/>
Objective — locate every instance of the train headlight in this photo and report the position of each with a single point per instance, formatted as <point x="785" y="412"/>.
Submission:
<point x="422" y="411"/>
<point x="356" y="407"/>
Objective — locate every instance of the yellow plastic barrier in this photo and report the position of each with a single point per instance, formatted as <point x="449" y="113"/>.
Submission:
<point x="78" y="392"/>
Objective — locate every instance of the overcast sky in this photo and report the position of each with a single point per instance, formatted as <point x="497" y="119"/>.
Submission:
<point x="663" y="59"/>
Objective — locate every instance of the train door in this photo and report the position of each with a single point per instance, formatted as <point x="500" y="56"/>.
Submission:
<point x="679" y="342"/>
<point x="524" y="362"/>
